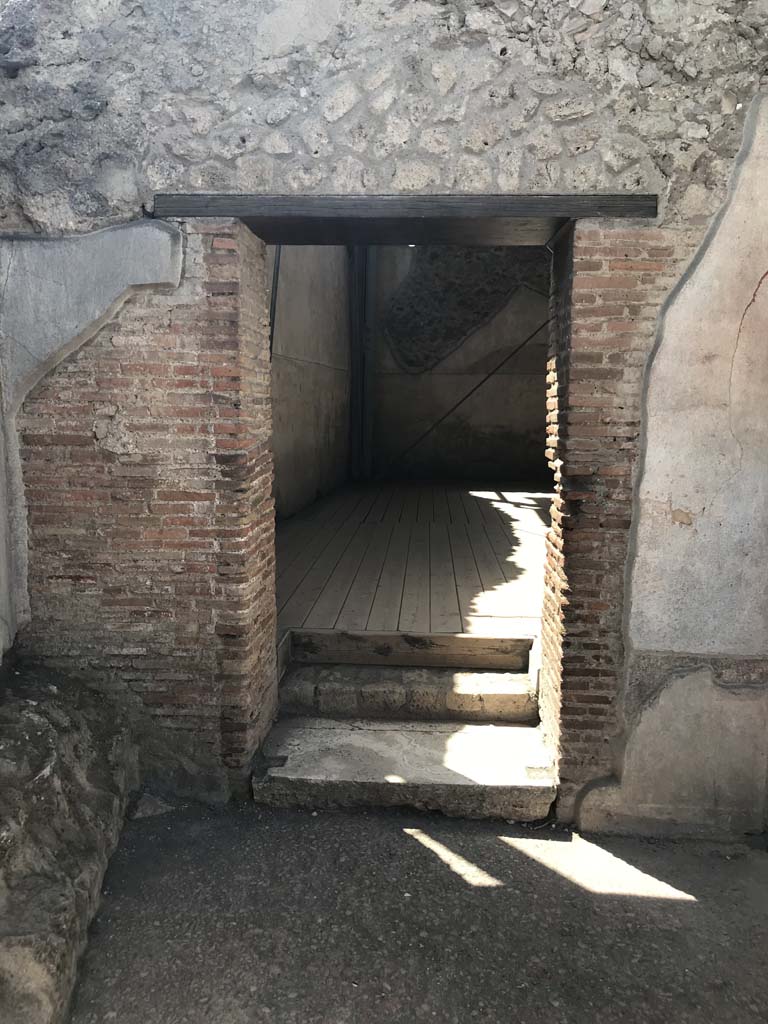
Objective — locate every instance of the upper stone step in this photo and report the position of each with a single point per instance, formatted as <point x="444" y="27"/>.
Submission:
<point x="416" y="650"/>
<point x="436" y="694"/>
<point x="474" y="771"/>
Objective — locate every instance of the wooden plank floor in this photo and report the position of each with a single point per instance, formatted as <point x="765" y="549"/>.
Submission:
<point x="416" y="558"/>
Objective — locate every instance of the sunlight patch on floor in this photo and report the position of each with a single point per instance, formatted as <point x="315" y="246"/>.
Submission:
<point x="465" y="869"/>
<point x="592" y="868"/>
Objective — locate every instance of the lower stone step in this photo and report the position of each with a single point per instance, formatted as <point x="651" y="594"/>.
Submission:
<point x="434" y="694"/>
<point x="473" y="771"/>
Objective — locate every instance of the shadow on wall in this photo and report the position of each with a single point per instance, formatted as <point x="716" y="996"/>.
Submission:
<point x="454" y="398"/>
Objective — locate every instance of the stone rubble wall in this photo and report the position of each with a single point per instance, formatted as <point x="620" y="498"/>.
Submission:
<point x="67" y="767"/>
<point x="106" y="103"/>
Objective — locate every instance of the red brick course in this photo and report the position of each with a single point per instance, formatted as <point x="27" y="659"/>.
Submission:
<point x="148" y="479"/>
<point x="610" y="283"/>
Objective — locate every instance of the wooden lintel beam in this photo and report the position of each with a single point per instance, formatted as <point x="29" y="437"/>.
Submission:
<point x="295" y="208"/>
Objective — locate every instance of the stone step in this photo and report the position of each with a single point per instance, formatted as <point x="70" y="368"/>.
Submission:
<point x="474" y="771"/>
<point x="435" y="694"/>
<point x="426" y="650"/>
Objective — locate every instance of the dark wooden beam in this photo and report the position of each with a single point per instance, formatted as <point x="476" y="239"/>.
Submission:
<point x="399" y="220"/>
<point x="404" y="231"/>
<point x="434" y="207"/>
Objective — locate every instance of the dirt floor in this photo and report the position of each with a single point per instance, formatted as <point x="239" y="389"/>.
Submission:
<point x="247" y="916"/>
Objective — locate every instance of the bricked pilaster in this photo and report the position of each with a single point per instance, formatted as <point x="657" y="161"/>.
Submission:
<point x="148" y="476"/>
<point x="610" y="282"/>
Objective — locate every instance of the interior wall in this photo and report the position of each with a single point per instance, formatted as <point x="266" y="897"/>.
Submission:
<point x="498" y="432"/>
<point x="310" y="375"/>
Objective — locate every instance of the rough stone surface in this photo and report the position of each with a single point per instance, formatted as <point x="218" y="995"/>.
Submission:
<point x="262" y="916"/>
<point x="475" y="771"/>
<point x="448" y="292"/>
<point x="349" y="691"/>
<point x="108" y="103"/>
<point x="67" y="765"/>
<point x="54" y="296"/>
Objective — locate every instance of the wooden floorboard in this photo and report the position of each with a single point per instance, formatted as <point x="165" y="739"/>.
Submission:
<point x="411" y="558"/>
<point x="444" y="615"/>
<point x="310" y="547"/>
<point x="468" y="584"/>
<point x="357" y="606"/>
<point x="414" y="609"/>
<point x="385" y="610"/>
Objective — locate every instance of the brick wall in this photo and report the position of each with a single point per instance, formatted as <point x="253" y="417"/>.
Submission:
<point x="605" y="305"/>
<point x="147" y="471"/>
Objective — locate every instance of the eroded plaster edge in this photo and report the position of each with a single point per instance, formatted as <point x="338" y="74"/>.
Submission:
<point x="12" y="398"/>
<point x="750" y="129"/>
<point x="611" y="784"/>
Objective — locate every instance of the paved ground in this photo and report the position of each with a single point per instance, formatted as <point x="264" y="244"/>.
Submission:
<point x="248" y="916"/>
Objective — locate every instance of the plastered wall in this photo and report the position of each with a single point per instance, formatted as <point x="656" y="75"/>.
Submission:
<point x="310" y="375"/>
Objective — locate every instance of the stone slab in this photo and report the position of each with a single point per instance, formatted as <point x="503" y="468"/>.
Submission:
<point x="350" y="691"/>
<point x="473" y="771"/>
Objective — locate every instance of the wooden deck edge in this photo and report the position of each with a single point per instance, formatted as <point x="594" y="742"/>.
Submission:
<point x="460" y="650"/>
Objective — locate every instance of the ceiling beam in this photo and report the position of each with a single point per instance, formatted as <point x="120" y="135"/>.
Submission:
<point x="364" y="207"/>
<point x="398" y="219"/>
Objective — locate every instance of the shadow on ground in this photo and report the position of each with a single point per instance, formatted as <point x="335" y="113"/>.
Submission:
<point x="244" y="916"/>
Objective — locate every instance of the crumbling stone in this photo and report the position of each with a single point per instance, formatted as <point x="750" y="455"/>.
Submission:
<point x="104" y="107"/>
<point x="67" y="766"/>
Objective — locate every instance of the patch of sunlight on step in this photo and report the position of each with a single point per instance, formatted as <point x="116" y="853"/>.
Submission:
<point x="503" y="627"/>
<point x="471" y="873"/>
<point x="485" y="754"/>
<point x="592" y="868"/>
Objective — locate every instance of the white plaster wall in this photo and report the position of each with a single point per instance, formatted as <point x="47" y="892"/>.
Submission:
<point x="693" y="756"/>
<point x="699" y="582"/>
<point x="310" y="375"/>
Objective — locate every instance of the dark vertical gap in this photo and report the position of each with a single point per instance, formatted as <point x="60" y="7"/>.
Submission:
<point x="356" y="328"/>
<point x="361" y="363"/>
<point x="369" y="359"/>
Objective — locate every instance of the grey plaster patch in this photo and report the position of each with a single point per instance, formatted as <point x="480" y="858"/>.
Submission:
<point x="55" y="294"/>
<point x="695" y="762"/>
<point x="697" y="582"/>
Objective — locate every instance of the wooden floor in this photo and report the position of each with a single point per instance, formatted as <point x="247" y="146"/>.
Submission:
<point x="415" y="558"/>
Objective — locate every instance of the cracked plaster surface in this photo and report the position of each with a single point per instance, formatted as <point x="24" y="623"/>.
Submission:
<point x="700" y="586"/>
